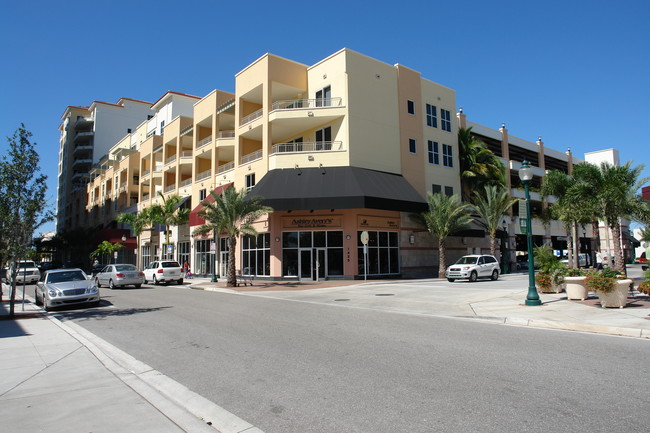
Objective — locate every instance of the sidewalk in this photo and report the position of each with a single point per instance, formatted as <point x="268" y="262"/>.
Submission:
<point x="58" y="377"/>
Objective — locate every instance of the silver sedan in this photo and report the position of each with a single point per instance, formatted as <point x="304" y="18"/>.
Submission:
<point x="119" y="276"/>
<point x="61" y="287"/>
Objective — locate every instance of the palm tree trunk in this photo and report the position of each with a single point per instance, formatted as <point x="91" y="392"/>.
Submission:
<point x="619" y="261"/>
<point x="569" y="244"/>
<point x="576" y="244"/>
<point x="231" y="278"/>
<point x="442" y="258"/>
<point x="493" y="245"/>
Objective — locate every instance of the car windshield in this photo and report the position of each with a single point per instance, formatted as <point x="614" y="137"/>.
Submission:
<point x="26" y="265"/>
<point x="125" y="268"/>
<point x="169" y="265"/>
<point x="61" y="277"/>
<point x="467" y="260"/>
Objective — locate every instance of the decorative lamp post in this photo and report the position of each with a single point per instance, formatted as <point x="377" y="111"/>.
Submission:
<point x="504" y="249"/>
<point x="214" y="257"/>
<point x="526" y="175"/>
<point x="123" y="242"/>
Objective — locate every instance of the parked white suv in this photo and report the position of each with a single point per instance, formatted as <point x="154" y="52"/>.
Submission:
<point x="27" y="272"/>
<point x="163" y="271"/>
<point x="473" y="267"/>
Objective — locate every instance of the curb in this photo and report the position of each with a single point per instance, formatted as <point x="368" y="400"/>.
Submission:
<point x="185" y="408"/>
<point x="594" y="329"/>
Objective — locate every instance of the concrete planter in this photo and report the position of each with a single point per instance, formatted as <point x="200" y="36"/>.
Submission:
<point x="576" y="288"/>
<point x="617" y="298"/>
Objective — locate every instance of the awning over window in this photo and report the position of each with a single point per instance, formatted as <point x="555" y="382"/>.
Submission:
<point x="337" y="188"/>
<point x="194" y="219"/>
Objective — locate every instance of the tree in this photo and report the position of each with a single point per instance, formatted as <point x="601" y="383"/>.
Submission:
<point x="446" y="216"/>
<point x="168" y="213"/>
<point x="138" y="221"/>
<point x="479" y="166"/>
<point x="491" y="205"/>
<point x="22" y="201"/>
<point x="106" y="249"/>
<point x="231" y="213"/>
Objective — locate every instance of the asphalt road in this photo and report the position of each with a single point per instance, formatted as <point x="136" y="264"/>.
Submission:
<point x="296" y="367"/>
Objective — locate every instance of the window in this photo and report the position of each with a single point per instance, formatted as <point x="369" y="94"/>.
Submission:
<point x="447" y="157"/>
<point x="295" y="144"/>
<point x="449" y="191"/>
<point x="383" y="253"/>
<point x="432" y="116"/>
<point x="445" y="120"/>
<point x="256" y="254"/>
<point x="202" y="194"/>
<point x="410" y="106"/>
<point x="434" y="155"/>
<point x="412" y="147"/>
<point x="324" y="97"/>
<point x="162" y="125"/>
<point x="324" y="139"/>
<point x="436" y="188"/>
<point x="250" y="181"/>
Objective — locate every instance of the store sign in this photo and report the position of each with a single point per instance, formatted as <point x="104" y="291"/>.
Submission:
<point x="375" y="222"/>
<point x="308" y="222"/>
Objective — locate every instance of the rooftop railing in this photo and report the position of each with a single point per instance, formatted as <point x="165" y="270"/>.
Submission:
<point x="318" y="146"/>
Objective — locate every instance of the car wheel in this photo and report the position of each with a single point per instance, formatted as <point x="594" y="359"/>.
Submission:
<point x="97" y="283"/>
<point x="111" y="285"/>
<point x="473" y="277"/>
<point x="45" y="307"/>
<point x="155" y="281"/>
<point x="451" y="280"/>
<point x="137" y="286"/>
<point x="495" y="275"/>
<point x="180" y="281"/>
<point x="37" y="301"/>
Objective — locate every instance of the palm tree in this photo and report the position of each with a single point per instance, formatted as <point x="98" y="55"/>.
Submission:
<point x="446" y="216"/>
<point x="232" y="213"/>
<point x="478" y="165"/>
<point x="138" y="221"/>
<point x="169" y="214"/>
<point x="491" y="206"/>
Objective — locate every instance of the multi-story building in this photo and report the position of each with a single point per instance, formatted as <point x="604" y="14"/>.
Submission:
<point x="86" y="134"/>
<point x="346" y="146"/>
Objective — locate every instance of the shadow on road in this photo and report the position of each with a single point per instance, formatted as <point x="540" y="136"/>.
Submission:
<point x="84" y="313"/>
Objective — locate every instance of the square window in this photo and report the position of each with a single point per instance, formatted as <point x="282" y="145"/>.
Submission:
<point x="449" y="191"/>
<point x="250" y="181"/>
<point x="436" y="188"/>
<point x="412" y="145"/>
<point x="410" y="107"/>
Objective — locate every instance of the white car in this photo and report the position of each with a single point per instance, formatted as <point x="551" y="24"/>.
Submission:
<point x="27" y="272"/>
<point x="163" y="271"/>
<point x="473" y="267"/>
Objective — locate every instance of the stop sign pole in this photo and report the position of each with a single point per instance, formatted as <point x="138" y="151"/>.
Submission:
<point x="364" y="241"/>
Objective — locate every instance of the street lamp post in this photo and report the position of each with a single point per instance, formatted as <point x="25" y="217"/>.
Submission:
<point x="526" y="175"/>
<point x="505" y="259"/>
<point x="214" y="257"/>
<point x="123" y="242"/>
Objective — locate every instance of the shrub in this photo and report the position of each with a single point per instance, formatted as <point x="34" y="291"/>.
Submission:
<point x="644" y="287"/>
<point x="545" y="259"/>
<point x="574" y="272"/>
<point x="601" y="281"/>
<point x="544" y="281"/>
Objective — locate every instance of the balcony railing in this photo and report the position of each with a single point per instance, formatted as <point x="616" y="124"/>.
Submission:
<point x="319" y="146"/>
<point x="145" y="197"/>
<point x="170" y="188"/>
<point x="204" y="175"/>
<point x="170" y="159"/>
<point x="253" y="116"/>
<point x="226" y="134"/>
<point x="226" y="167"/>
<point x="186" y="182"/>
<point x="158" y="168"/>
<point x="251" y="157"/>
<point x="306" y="103"/>
<point x="186" y="154"/>
<point x="204" y="142"/>
<point x="146" y="173"/>
<point x="187" y="130"/>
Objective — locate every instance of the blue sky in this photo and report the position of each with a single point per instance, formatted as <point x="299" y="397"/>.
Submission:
<point x="574" y="72"/>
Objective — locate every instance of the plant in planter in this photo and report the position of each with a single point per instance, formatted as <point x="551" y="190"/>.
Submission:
<point x="611" y="287"/>
<point x="644" y="287"/>
<point x="550" y="277"/>
<point x="574" y="280"/>
<point x="544" y="282"/>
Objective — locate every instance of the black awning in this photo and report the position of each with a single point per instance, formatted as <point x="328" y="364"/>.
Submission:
<point x="635" y="242"/>
<point x="337" y="188"/>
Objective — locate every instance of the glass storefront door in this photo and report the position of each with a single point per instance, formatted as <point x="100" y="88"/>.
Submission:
<point x="320" y="266"/>
<point x="305" y="264"/>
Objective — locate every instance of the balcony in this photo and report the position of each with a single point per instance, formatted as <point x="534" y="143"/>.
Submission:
<point x="252" y="157"/>
<point x="251" y="117"/>
<point x="145" y="197"/>
<point x="319" y="146"/>
<point x="306" y="103"/>
<point x="81" y="162"/>
<point x="83" y="121"/>
<point x="82" y="148"/>
<point x="226" y="167"/>
<point x="203" y="175"/>
<point x="226" y="134"/>
<point x="145" y="173"/>
<point x="204" y="142"/>
<point x="291" y="117"/>
<point x="186" y="182"/>
<point x="187" y="130"/>
<point x="170" y="188"/>
<point x="170" y="159"/>
<point x="83" y="137"/>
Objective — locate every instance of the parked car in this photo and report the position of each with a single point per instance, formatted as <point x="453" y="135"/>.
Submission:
<point x="60" y="287"/>
<point x="473" y="267"/>
<point x="119" y="276"/>
<point x="163" y="271"/>
<point x="27" y="272"/>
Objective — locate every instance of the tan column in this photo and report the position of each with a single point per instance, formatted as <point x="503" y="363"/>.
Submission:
<point x="462" y="119"/>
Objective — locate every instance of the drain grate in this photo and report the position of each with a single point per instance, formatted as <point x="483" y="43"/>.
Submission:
<point x="385" y="294"/>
